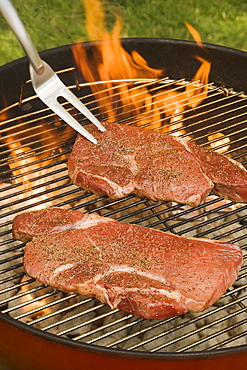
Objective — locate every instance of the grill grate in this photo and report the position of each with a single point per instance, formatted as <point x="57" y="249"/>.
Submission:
<point x="34" y="146"/>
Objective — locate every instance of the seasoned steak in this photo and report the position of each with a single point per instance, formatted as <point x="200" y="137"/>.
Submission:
<point x="147" y="272"/>
<point x="129" y="159"/>
<point x="229" y="176"/>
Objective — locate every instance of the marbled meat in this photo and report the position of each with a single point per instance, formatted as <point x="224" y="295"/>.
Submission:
<point x="129" y="159"/>
<point x="147" y="272"/>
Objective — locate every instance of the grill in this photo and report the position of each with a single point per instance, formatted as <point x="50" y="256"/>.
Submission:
<point x="34" y="146"/>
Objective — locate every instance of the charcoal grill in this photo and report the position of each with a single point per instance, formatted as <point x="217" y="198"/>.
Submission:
<point x="46" y="329"/>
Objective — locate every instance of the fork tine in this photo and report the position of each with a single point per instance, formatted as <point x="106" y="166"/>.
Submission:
<point x="46" y="83"/>
<point x="68" y="95"/>
<point x="67" y="117"/>
<point x="49" y="87"/>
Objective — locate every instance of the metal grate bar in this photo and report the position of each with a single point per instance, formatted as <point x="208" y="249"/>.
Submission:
<point x="85" y="319"/>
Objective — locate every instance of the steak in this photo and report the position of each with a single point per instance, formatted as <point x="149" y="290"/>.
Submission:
<point x="130" y="159"/>
<point x="147" y="272"/>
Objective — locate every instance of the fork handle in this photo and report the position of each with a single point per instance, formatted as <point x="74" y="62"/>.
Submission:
<point x="9" y="13"/>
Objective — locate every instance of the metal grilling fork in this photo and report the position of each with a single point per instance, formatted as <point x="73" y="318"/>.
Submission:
<point x="46" y="83"/>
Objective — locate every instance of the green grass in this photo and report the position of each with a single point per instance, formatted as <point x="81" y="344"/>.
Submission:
<point x="53" y="23"/>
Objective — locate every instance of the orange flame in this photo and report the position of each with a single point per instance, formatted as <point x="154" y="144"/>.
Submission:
<point x="109" y="62"/>
<point x="174" y="103"/>
<point x="112" y="60"/>
<point x="195" y="34"/>
<point x="219" y="142"/>
<point x="27" y="162"/>
<point x="33" y="304"/>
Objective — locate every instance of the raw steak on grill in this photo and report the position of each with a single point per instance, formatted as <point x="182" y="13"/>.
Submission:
<point x="129" y="159"/>
<point x="147" y="272"/>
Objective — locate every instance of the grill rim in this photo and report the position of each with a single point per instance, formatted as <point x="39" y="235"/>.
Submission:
<point x="92" y="348"/>
<point x="128" y="43"/>
<point x="64" y="54"/>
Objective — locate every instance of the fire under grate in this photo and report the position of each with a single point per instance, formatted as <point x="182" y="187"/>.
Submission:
<point x="34" y="146"/>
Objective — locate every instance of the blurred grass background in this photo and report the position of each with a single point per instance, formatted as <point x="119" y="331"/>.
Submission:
<point x="53" y="23"/>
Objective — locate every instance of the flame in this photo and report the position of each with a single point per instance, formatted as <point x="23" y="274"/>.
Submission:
<point x="219" y="142"/>
<point x="201" y="75"/>
<point x="109" y="62"/>
<point x="35" y="306"/>
<point x="195" y="34"/>
<point x="28" y="166"/>
<point x="23" y="162"/>
<point x="112" y="60"/>
<point x="17" y="150"/>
